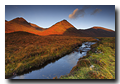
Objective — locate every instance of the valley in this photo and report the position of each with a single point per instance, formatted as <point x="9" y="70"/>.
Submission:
<point x="28" y="46"/>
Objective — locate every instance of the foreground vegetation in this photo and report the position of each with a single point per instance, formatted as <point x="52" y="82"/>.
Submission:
<point x="98" y="64"/>
<point x="24" y="51"/>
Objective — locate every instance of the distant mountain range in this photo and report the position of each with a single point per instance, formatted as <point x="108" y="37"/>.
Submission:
<point x="60" y="28"/>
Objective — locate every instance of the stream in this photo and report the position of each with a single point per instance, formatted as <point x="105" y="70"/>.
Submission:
<point x="58" y="67"/>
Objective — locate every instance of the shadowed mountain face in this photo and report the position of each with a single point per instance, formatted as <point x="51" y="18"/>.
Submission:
<point x="98" y="28"/>
<point x="97" y="32"/>
<point x="37" y="27"/>
<point x="60" y="28"/>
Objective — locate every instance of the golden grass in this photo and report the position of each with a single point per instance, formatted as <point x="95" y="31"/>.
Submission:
<point x="24" y="51"/>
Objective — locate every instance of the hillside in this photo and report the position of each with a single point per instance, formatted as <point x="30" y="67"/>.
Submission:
<point x="19" y="24"/>
<point x="25" y="51"/>
<point x="37" y="27"/>
<point x="60" y="28"/>
<point x="97" y="32"/>
<point x="96" y="27"/>
<point x="99" y="63"/>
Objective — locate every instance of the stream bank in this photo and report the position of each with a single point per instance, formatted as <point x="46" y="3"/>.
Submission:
<point x="98" y="64"/>
<point x="59" y="67"/>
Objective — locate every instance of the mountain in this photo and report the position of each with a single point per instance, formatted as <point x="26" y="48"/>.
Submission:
<point x="58" y="29"/>
<point x="97" y="32"/>
<point x="37" y="27"/>
<point x="20" y="24"/>
<point x="63" y="28"/>
<point x="98" y="28"/>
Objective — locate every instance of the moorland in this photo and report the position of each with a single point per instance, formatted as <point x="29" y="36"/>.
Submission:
<point x="28" y="46"/>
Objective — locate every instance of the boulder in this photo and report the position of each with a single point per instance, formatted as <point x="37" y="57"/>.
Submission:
<point x="91" y="67"/>
<point x="80" y="51"/>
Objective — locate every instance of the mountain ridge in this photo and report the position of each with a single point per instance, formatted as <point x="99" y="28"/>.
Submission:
<point x="96" y="27"/>
<point x="97" y="32"/>
<point x="58" y="28"/>
<point x="62" y="27"/>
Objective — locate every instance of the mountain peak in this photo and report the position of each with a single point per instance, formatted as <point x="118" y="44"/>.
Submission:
<point x="64" y="20"/>
<point x="20" y="20"/>
<point x="58" y="28"/>
<point x="64" y="23"/>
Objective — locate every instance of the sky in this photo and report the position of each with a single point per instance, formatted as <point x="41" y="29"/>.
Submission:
<point x="80" y="16"/>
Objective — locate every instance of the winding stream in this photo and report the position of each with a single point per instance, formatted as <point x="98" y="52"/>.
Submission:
<point x="59" y="67"/>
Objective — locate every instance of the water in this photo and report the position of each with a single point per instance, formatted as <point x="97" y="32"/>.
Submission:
<point x="60" y="67"/>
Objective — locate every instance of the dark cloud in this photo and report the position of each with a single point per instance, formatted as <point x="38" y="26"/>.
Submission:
<point x="96" y="11"/>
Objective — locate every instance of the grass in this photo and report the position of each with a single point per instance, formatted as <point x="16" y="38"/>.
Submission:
<point x="102" y="57"/>
<point x="24" y="51"/>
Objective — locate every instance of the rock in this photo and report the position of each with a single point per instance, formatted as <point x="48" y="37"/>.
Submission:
<point x="76" y="50"/>
<point x="80" y="51"/>
<point x="91" y="67"/>
<point x="86" y="47"/>
<point x="77" y="47"/>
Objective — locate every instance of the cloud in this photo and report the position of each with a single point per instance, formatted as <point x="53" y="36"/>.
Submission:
<point x="96" y="11"/>
<point x="78" y="13"/>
